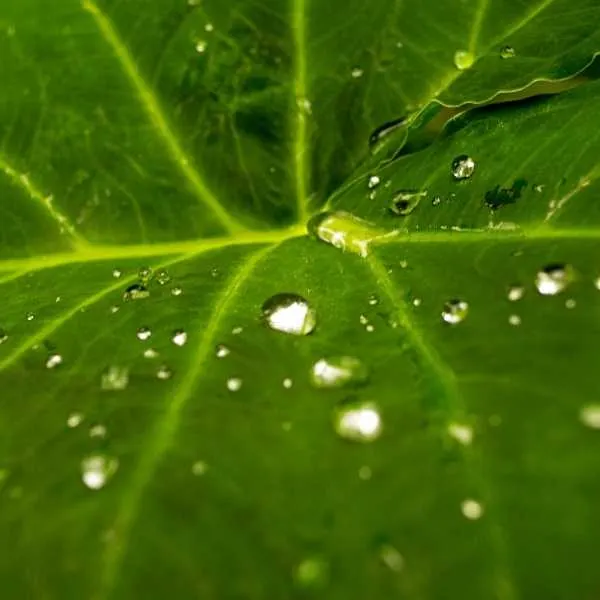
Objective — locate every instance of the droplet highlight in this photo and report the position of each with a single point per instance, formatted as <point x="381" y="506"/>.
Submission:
<point x="289" y="313"/>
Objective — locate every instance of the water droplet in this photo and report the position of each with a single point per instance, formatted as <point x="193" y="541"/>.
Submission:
<point x="357" y="72"/>
<point x="237" y="330"/>
<point x="455" y="311"/>
<point x="358" y="421"/>
<point x="514" y="320"/>
<point x="391" y="558"/>
<point x="74" y="420"/>
<point x="201" y="46"/>
<point x="209" y="27"/>
<point x="571" y="303"/>
<point x="179" y="337"/>
<point x="163" y="277"/>
<point x="150" y="353"/>
<point x="145" y="274"/>
<point x="115" y="377"/>
<point x="117" y="273"/>
<point x="515" y="292"/>
<point x="222" y="351"/>
<point x="144" y="333"/>
<point x="417" y="302"/>
<point x="97" y="470"/>
<point x="463" y="59"/>
<point x="462" y="167"/>
<point x="176" y="291"/>
<point x="53" y="361"/>
<point x="164" y="372"/>
<point x="311" y="572"/>
<point x="365" y="473"/>
<point x="405" y="201"/>
<point x="554" y="278"/>
<point x="507" y="52"/>
<point x="234" y="384"/>
<point x="114" y="309"/>
<point x="136" y="291"/>
<point x="305" y="106"/>
<point x="98" y="431"/>
<point x="383" y="132"/>
<point x="374" y="181"/>
<point x="345" y="231"/>
<point x="199" y="467"/>
<point x="373" y="300"/>
<point x="590" y="416"/>
<point x="30" y="316"/>
<point x="461" y="433"/>
<point x="287" y="383"/>
<point x="471" y="509"/>
<point x="289" y="313"/>
<point x="3" y="336"/>
<point x="338" y="371"/>
<point x="436" y="200"/>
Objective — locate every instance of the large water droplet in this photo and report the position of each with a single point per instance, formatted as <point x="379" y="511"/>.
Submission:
<point x="405" y="201"/>
<point x="463" y="167"/>
<point x="358" y="421"/>
<point x="97" y="469"/>
<point x="338" y="371"/>
<point x="554" y="278"/>
<point x="115" y="378"/>
<point x="289" y="313"/>
<point x="463" y="59"/>
<point x="455" y="311"/>
<point x="136" y="291"/>
<point x="179" y="337"/>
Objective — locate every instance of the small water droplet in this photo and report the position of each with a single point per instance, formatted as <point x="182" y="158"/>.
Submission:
<point x="115" y="378"/>
<point x="417" y="302"/>
<point x="145" y="274"/>
<point x="539" y="188"/>
<point x="287" y="383"/>
<point x="358" y="421"/>
<point x="374" y="181"/>
<point x="289" y="313"/>
<point x="507" y="52"/>
<point x="305" y="105"/>
<point x="455" y="311"/>
<point x="405" y="201"/>
<point x="312" y="572"/>
<point x="30" y="316"/>
<point x="234" y="384"/>
<point x="97" y="470"/>
<point x="463" y="59"/>
<point x="462" y="167"/>
<point x="74" y="420"/>
<point x="554" y="278"/>
<point x="117" y="273"/>
<point x="222" y="351"/>
<point x="590" y="416"/>
<point x="199" y="467"/>
<point x="163" y="277"/>
<point x="373" y="300"/>
<point x="357" y="72"/>
<point x="436" y="200"/>
<point x="144" y="333"/>
<point x="136" y="291"/>
<point x="237" y="330"/>
<point x="114" y="309"/>
<point x="461" y="433"/>
<point x="571" y="303"/>
<point x="365" y="473"/>
<point x="179" y="337"/>
<point x="53" y="361"/>
<point x="176" y="291"/>
<point x="514" y="320"/>
<point x="209" y="27"/>
<point x="98" y="431"/>
<point x="471" y="509"/>
<point x="3" y="336"/>
<point x="391" y="558"/>
<point x="515" y="292"/>
<point x="201" y="46"/>
<point x="164" y="372"/>
<point x="150" y="353"/>
<point x="338" y="371"/>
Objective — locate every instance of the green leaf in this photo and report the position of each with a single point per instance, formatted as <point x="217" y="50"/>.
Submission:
<point x="164" y="441"/>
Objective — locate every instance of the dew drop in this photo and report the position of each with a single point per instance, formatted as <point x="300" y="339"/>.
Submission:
<point x="3" y="336"/>
<point x="164" y="372"/>
<point x="391" y="558"/>
<point x="374" y="181"/>
<point x="97" y="470"/>
<point x="117" y="273"/>
<point x="221" y="351"/>
<point x="163" y="277"/>
<point x="571" y="303"/>
<point x="176" y="291"/>
<point x="136" y="291"/>
<point x="199" y="468"/>
<point x="144" y="333"/>
<point x="74" y="420"/>
<point x="150" y="353"/>
<point x="209" y="27"/>
<point x="436" y="200"/>
<point x="590" y="416"/>
<point x="304" y="105"/>
<point x="358" y="421"/>
<point x="514" y="320"/>
<point x="507" y="52"/>
<point x="145" y="274"/>
<point x="337" y="372"/>
<point x="357" y="72"/>
<point x="201" y="46"/>
<point x="554" y="278"/>
<point x="311" y="572"/>
<point x="115" y="378"/>
<point x="515" y="292"/>
<point x="461" y="433"/>
<point x="373" y="300"/>
<point x="237" y="330"/>
<point x="30" y="316"/>
<point x="289" y="313"/>
<point x="365" y="473"/>
<point x="287" y="383"/>
<point x="53" y="361"/>
<point x="462" y="167"/>
<point x="463" y="59"/>
<point x="384" y="132"/>
<point x="234" y="384"/>
<point x="405" y="201"/>
<point x="455" y="311"/>
<point x="98" y="431"/>
<point x="471" y="509"/>
<point x="179" y="337"/>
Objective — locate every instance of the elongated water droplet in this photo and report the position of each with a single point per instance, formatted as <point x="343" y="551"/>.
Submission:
<point x="463" y="59"/>
<point x="74" y="420"/>
<point x="115" y="377"/>
<point x="338" y="371"/>
<point x="164" y="372"/>
<point x="289" y="313"/>
<point x="358" y="421"/>
<point x="515" y="292"/>
<point x="590" y="416"/>
<point x="234" y="384"/>
<point x="136" y="291"/>
<point x="471" y="509"/>
<point x="97" y="470"/>
<point x="346" y="232"/>
<point x="455" y="311"/>
<point x="463" y="167"/>
<point x="554" y="279"/>
<point x="405" y="201"/>
<point x="383" y="132"/>
<point x="222" y="351"/>
<point x="179" y="337"/>
<point x="53" y="361"/>
<point x="507" y="52"/>
<point x="3" y="336"/>
<point x="144" y="333"/>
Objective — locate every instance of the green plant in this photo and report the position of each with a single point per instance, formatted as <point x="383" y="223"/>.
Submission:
<point x="160" y="163"/>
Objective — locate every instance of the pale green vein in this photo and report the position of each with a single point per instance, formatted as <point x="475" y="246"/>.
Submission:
<point x="24" y="181"/>
<point x="117" y="253"/>
<point x="152" y="107"/>
<point x="433" y="363"/>
<point x="301" y="107"/>
<point x="168" y="423"/>
<point x="477" y="24"/>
